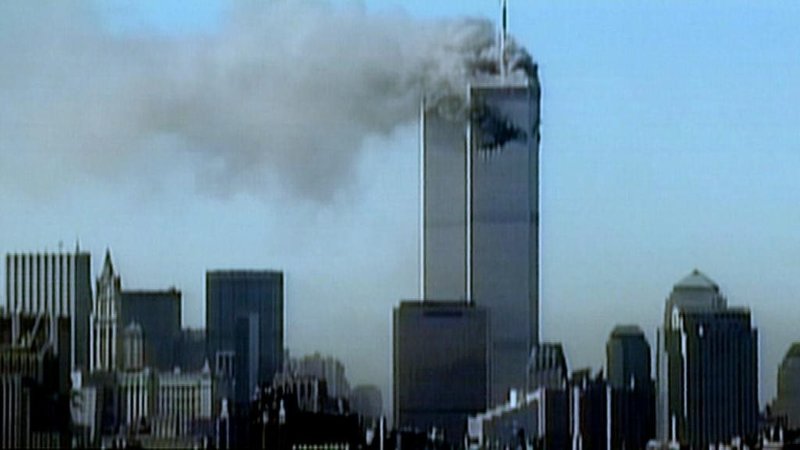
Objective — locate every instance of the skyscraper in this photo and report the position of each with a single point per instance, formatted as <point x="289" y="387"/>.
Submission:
<point x="708" y="367"/>
<point x="480" y="212"/>
<point x="58" y="284"/>
<point x="440" y="372"/>
<point x="633" y="406"/>
<point x="628" y="357"/>
<point x="158" y="313"/>
<point x="244" y="322"/>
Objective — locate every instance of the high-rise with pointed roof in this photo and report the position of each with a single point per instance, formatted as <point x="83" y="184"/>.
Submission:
<point x="104" y="343"/>
<point x="707" y="367"/>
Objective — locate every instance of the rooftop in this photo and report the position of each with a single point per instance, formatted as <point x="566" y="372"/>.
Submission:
<point x="697" y="280"/>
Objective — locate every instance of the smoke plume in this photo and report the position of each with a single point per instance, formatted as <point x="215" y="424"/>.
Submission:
<point x="281" y="94"/>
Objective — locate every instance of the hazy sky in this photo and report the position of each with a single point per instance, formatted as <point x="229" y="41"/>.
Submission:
<point x="670" y="141"/>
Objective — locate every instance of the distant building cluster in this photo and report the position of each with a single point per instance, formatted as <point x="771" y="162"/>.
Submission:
<point x="114" y="368"/>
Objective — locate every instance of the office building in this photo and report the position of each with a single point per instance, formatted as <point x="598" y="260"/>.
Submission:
<point x="707" y="367"/>
<point x="104" y="343"/>
<point x="132" y="348"/>
<point x="244" y="326"/>
<point x="190" y="349"/>
<point x="56" y="284"/>
<point x="628" y="358"/>
<point x="547" y="367"/>
<point x="183" y="403"/>
<point x="538" y="419"/>
<point x="158" y="312"/>
<point x="136" y="399"/>
<point x="632" y="389"/>
<point x="34" y="399"/>
<point x="787" y="404"/>
<point x="480" y="211"/>
<point x="440" y="372"/>
<point x="326" y="368"/>
<point x="366" y="401"/>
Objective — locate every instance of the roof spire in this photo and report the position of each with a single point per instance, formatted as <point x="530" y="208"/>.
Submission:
<point x="503" y="37"/>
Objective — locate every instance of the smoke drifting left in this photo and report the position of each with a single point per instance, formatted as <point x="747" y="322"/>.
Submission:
<point x="282" y="93"/>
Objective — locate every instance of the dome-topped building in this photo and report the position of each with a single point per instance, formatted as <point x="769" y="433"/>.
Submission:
<point x="707" y="365"/>
<point x="788" y="402"/>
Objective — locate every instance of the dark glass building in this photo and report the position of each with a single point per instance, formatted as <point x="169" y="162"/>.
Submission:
<point x="244" y="326"/>
<point x="633" y="401"/>
<point x="480" y="213"/>
<point x="708" y="367"/>
<point x="190" y="349"/>
<point x="159" y="315"/>
<point x="628" y="358"/>
<point x="440" y="373"/>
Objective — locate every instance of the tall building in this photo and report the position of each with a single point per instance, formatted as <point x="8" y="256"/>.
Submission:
<point x="244" y="326"/>
<point x="707" y="367"/>
<point x="632" y="391"/>
<point x="480" y="211"/>
<point x="366" y="400"/>
<point x="104" y="339"/>
<point x="57" y="284"/>
<point x="628" y="358"/>
<point x="190" y="349"/>
<point x="326" y="368"/>
<point x="547" y="367"/>
<point x="440" y="373"/>
<point x="158" y="312"/>
<point x="787" y="403"/>
<point x="34" y="392"/>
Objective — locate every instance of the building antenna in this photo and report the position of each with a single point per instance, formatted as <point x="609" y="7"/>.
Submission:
<point x="503" y="37"/>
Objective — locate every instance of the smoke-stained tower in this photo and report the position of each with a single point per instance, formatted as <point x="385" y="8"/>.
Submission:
<point x="480" y="207"/>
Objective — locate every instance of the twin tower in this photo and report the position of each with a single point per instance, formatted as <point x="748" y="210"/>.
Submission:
<point x="466" y="344"/>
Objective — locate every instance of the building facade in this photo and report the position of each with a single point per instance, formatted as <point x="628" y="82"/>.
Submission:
<point x="633" y="405"/>
<point x="326" y="368"/>
<point x="158" y="312"/>
<point x="57" y="284"/>
<point x="547" y="367"/>
<point x="440" y="372"/>
<point x="708" y="367"/>
<point x="104" y="343"/>
<point x="787" y="403"/>
<point x="184" y="403"/>
<point x="480" y="212"/>
<point x="244" y="326"/>
<point x="367" y="401"/>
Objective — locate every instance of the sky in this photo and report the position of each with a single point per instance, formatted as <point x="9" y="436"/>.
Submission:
<point x="669" y="143"/>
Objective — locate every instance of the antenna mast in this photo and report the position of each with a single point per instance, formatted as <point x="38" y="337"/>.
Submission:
<point x="503" y="37"/>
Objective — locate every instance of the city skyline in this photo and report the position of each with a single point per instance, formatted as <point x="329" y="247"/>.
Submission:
<point x="619" y="224"/>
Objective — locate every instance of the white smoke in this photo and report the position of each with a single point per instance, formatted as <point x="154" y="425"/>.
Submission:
<point x="282" y="94"/>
